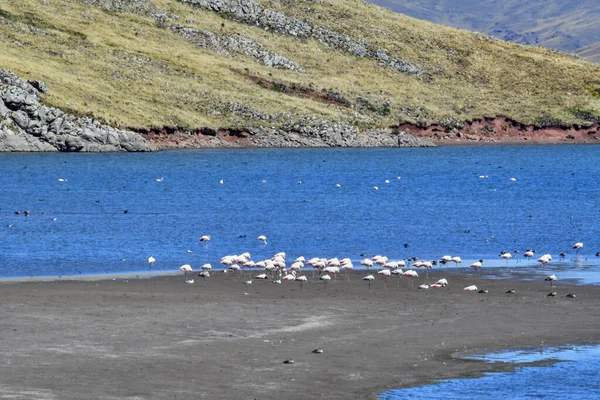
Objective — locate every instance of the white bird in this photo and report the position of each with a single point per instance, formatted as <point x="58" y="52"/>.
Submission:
<point x="189" y="281"/>
<point x="160" y="179"/>
<point x="222" y="181"/>
<point x="262" y="238"/>
<point x="367" y="262"/>
<point x="470" y="288"/>
<point x="151" y="260"/>
<point x="424" y="286"/>
<point x="261" y="276"/>
<point x="440" y="283"/>
<point x="290" y="277"/>
<point x="325" y="278"/>
<point x="545" y="259"/>
<point x="551" y="278"/>
<point x="185" y="269"/>
<point x="369" y="278"/>
<point x="277" y="282"/>
<point x="302" y="279"/>
<point x="577" y="246"/>
<point x="338" y="185"/>
<point x="513" y="179"/>
<point x="456" y="260"/>
<point x="375" y="187"/>
<point x="477" y="264"/>
<point x="247" y="282"/>
<point x="204" y="274"/>
<point x="411" y="273"/>
<point x="205" y="238"/>
<point x="62" y="180"/>
<point x="206" y="267"/>
<point x="234" y="267"/>
<point x="445" y="259"/>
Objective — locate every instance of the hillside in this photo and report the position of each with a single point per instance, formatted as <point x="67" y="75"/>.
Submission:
<point x="310" y="68"/>
<point x="570" y="26"/>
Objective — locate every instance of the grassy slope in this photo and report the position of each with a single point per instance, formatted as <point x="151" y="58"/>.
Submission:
<point x="569" y="25"/>
<point x="124" y="69"/>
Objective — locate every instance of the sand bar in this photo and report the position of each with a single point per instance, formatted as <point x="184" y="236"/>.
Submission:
<point x="160" y="338"/>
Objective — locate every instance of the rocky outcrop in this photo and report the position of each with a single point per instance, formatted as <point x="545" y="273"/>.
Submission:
<point x="227" y="44"/>
<point x="252" y="13"/>
<point x="27" y="125"/>
<point x="323" y="134"/>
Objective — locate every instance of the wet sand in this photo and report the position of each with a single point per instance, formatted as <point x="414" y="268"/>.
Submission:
<point x="160" y="338"/>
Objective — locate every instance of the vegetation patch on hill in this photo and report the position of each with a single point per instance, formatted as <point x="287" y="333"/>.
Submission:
<point x="192" y="64"/>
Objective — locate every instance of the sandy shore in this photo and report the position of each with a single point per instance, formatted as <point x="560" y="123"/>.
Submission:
<point x="220" y="339"/>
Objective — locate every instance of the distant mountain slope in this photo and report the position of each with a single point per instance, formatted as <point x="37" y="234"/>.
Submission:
<point x="282" y="65"/>
<point x="565" y="25"/>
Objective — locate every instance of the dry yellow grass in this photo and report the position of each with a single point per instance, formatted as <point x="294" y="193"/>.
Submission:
<point x="124" y="69"/>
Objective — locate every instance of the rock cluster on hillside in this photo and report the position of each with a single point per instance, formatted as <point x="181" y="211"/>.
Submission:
<point x="252" y="13"/>
<point x="235" y="43"/>
<point x="26" y="125"/>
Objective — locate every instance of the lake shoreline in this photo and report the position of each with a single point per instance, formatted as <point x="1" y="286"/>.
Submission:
<point x="220" y="338"/>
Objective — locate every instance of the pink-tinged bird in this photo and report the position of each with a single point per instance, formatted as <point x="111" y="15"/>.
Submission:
<point x="205" y="238"/>
<point x="456" y="260"/>
<point x="545" y="259"/>
<point x="470" y="288"/>
<point x="261" y="276"/>
<point x="367" y="262"/>
<point x="289" y="277"/>
<point x="369" y="278"/>
<point x="185" y="269"/>
<point x="262" y="238"/>
<point x="445" y="259"/>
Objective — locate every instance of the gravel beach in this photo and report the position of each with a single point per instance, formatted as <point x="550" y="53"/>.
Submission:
<point x="160" y="338"/>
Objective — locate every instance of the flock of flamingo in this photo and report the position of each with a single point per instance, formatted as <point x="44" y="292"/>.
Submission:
<point x="277" y="271"/>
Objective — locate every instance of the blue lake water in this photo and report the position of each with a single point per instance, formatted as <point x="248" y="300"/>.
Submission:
<point x="575" y="376"/>
<point x="449" y="200"/>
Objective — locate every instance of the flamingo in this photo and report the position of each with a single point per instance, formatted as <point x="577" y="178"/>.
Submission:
<point x="234" y="267"/>
<point x="545" y="259"/>
<point x="552" y="278"/>
<point x="261" y="276"/>
<point x="302" y="279"/>
<point x="528" y="254"/>
<point x="456" y="260"/>
<point x="445" y="259"/>
<point x="204" y="274"/>
<point x="411" y="274"/>
<point x="369" y="278"/>
<point x="470" y="288"/>
<point x="325" y="278"/>
<point x="205" y="238"/>
<point x="505" y="255"/>
<point x="151" y="261"/>
<point x="577" y="246"/>
<point x="440" y="283"/>
<point x="262" y="238"/>
<point x="185" y="269"/>
<point x="367" y="262"/>
<point x="347" y="266"/>
<point x="385" y="273"/>
<point x="289" y="277"/>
